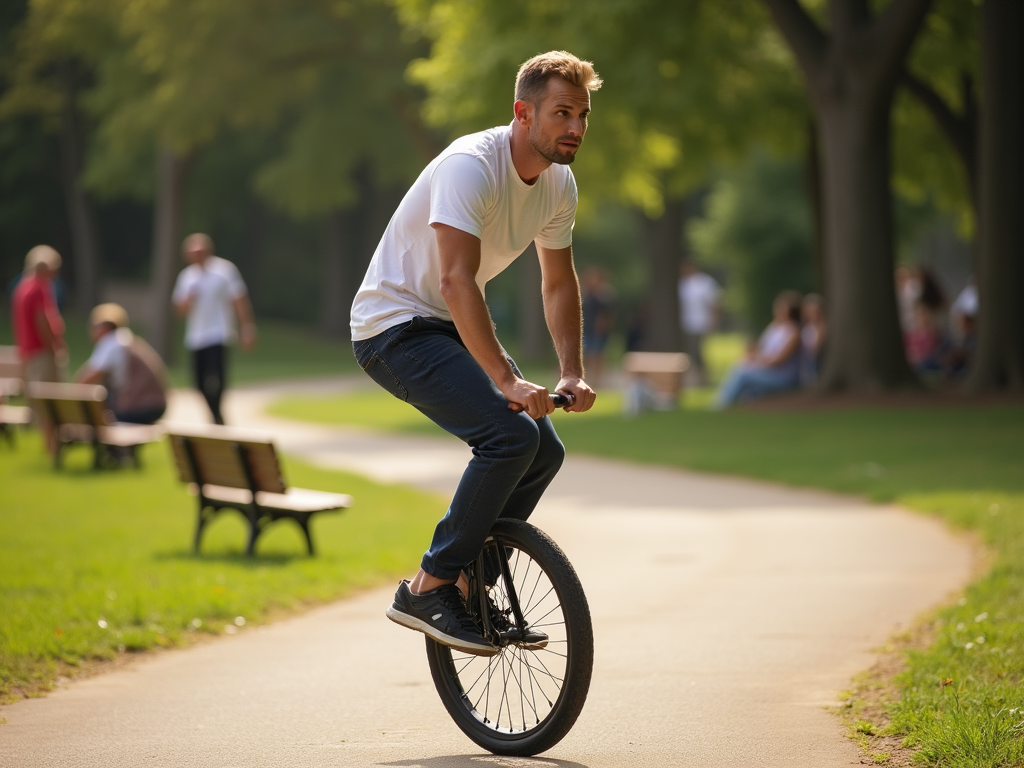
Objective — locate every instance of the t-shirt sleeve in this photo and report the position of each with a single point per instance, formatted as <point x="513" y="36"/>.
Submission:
<point x="104" y="357"/>
<point x="460" y="191"/>
<point x="558" y="232"/>
<point x="236" y="285"/>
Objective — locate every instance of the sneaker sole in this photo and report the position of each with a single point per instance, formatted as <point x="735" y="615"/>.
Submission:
<point x="411" y="622"/>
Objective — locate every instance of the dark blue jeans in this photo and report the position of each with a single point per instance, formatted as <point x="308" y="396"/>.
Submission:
<point x="515" y="458"/>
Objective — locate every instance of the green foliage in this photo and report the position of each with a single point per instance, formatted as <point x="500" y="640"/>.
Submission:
<point x="99" y="563"/>
<point x="706" y="78"/>
<point x="946" y="54"/>
<point x="757" y="224"/>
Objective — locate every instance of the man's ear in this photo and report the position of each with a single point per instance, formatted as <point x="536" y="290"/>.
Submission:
<point x="523" y="111"/>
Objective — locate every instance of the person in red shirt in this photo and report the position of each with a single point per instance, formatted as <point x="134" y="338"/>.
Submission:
<point x="38" y="326"/>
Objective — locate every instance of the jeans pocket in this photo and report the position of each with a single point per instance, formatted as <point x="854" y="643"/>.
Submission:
<point x="378" y="370"/>
<point x="362" y="351"/>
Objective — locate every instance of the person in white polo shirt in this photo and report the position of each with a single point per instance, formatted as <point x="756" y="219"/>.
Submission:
<point x="421" y="328"/>
<point x="212" y="296"/>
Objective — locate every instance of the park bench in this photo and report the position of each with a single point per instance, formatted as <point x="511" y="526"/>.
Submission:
<point x="228" y="468"/>
<point x="79" y="415"/>
<point x="11" y="386"/>
<point x="655" y="380"/>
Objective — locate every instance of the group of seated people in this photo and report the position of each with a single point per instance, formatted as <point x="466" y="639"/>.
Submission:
<point x="786" y="355"/>
<point x="788" y="352"/>
<point x="936" y="349"/>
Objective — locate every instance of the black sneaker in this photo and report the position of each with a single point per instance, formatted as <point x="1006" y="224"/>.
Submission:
<point x="530" y="639"/>
<point x="441" y="615"/>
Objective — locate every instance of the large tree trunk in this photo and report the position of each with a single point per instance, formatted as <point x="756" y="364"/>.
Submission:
<point x="662" y="241"/>
<point x="534" y="341"/>
<point x="865" y="348"/>
<point x="85" y="256"/>
<point x="1000" y="355"/>
<point x="851" y="75"/>
<point x="172" y="179"/>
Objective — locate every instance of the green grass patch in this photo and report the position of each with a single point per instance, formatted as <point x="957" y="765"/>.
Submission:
<point x="965" y="465"/>
<point x="95" y="564"/>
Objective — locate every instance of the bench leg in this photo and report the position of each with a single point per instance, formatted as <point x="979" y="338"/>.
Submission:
<point x="303" y="521"/>
<point x="200" y="525"/>
<point x="255" y="529"/>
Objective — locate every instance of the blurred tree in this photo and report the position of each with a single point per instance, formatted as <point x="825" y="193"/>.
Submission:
<point x="170" y="77"/>
<point x="987" y="139"/>
<point x="851" y="73"/>
<point x="45" y="74"/>
<point x="706" y="78"/>
<point x="757" y="224"/>
<point x="1000" y="357"/>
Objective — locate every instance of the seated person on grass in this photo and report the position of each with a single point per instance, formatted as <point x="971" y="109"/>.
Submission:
<point x="774" y="364"/>
<point x="127" y="366"/>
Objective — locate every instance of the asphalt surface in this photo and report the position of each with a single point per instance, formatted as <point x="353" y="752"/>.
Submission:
<point x="728" y="617"/>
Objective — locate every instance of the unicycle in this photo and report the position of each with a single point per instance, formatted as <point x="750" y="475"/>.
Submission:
<point x="525" y="594"/>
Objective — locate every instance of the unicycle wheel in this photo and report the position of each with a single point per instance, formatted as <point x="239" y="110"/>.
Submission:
<point x="525" y="699"/>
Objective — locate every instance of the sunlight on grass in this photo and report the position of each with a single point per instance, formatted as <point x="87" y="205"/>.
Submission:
<point x="100" y="563"/>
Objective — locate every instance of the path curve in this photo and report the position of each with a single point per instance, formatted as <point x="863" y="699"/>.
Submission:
<point x="728" y="615"/>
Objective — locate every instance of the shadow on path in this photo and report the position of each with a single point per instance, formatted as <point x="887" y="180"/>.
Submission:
<point x="481" y="761"/>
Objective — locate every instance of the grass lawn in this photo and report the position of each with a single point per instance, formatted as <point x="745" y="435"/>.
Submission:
<point x="95" y="564"/>
<point x="959" y="701"/>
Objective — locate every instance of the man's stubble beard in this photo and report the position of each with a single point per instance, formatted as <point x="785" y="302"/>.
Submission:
<point x="552" y="155"/>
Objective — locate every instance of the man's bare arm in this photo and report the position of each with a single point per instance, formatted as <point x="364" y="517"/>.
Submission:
<point x="564" y="316"/>
<point x="460" y="262"/>
<point x="246" y="321"/>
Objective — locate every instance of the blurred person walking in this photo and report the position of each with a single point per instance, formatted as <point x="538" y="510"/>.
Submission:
<point x="130" y="369"/>
<point x="774" y="364"/>
<point x="700" y="311"/>
<point x="212" y="296"/>
<point x="38" y="326"/>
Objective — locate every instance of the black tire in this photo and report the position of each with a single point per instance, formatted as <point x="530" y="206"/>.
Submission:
<point x="524" y="701"/>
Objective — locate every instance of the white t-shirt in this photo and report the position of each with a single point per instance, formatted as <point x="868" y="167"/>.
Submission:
<point x="472" y="186"/>
<point x="110" y="355"/>
<point x="698" y="297"/>
<point x="216" y="284"/>
<point x="775" y="338"/>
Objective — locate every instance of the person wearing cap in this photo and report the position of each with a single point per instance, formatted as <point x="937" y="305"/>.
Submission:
<point x="212" y="296"/>
<point x="132" y="372"/>
<point x="38" y="326"/>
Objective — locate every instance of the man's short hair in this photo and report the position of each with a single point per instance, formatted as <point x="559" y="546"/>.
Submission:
<point x="42" y="254"/>
<point x="202" y="237"/>
<point x="533" y="75"/>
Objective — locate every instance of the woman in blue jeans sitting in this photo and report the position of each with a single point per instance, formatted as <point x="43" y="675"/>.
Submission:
<point x="774" y="364"/>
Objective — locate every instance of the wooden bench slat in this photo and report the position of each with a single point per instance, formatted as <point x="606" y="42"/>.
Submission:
<point x="15" y="414"/>
<point x="293" y="500"/>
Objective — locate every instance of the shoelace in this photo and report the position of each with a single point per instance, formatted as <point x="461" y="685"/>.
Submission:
<point x="451" y="598"/>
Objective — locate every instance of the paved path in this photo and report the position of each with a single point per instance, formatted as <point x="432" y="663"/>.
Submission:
<point x="728" y="615"/>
